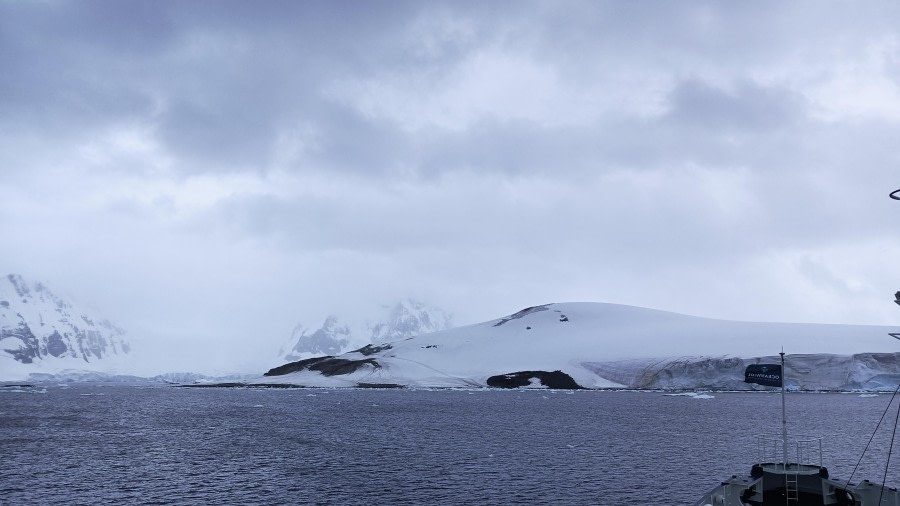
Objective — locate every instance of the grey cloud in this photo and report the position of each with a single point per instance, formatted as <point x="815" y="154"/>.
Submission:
<point x="66" y="64"/>
<point x="355" y="144"/>
<point x="672" y="208"/>
<point x="749" y="108"/>
<point x="220" y="136"/>
<point x="99" y="63"/>
<point x="588" y="36"/>
<point x="135" y="29"/>
<point x="588" y="218"/>
<point x="793" y="205"/>
<point x="107" y="61"/>
<point x="704" y="126"/>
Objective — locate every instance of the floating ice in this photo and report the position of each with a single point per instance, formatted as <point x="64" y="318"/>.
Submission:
<point x="693" y="395"/>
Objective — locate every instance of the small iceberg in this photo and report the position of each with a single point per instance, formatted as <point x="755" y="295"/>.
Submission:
<point x="693" y="395"/>
<point x="22" y="389"/>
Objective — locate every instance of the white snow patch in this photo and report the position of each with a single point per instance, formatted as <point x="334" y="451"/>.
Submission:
<point x="692" y="395"/>
<point x="23" y="390"/>
<point x="535" y="383"/>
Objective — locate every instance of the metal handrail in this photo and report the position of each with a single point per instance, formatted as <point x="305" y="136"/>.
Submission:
<point x="808" y="449"/>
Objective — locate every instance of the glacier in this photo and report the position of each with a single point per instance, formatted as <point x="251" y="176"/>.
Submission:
<point x="601" y="345"/>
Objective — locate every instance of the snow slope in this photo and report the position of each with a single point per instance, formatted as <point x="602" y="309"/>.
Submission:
<point x="609" y="345"/>
<point x="42" y="332"/>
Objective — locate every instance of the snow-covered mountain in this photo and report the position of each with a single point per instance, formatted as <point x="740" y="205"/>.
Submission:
<point x="596" y="345"/>
<point x="336" y="335"/>
<point x="37" y="326"/>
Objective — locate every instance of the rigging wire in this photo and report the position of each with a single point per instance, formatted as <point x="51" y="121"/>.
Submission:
<point x="888" y="462"/>
<point x="875" y="432"/>
<point x="896" y="196"/>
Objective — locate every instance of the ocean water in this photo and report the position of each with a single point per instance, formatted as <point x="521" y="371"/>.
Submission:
<point x="166" y="445"/>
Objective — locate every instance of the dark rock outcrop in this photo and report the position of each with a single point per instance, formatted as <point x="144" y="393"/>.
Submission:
<point x="556" y="379"/>
<point x="520" y="314"/>
<point x="328" y="366"/>
<point x="55" y="345"/>
<point x="370" y="349"/>
<point x="31" y="346"/>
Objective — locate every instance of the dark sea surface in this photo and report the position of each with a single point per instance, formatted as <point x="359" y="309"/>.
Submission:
<point x="166" y="445"/>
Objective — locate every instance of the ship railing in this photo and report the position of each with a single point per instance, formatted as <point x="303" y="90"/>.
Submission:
<point x="804" y="449"/>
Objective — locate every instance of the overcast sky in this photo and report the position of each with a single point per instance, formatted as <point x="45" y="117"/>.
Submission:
<point x="214" y="172"/>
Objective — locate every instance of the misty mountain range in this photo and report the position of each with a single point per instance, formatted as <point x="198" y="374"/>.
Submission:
<point x="569" y="345"/>
<point x="407" y="318"/>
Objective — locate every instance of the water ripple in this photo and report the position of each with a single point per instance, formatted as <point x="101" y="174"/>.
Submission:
<point x="207" y="446"/>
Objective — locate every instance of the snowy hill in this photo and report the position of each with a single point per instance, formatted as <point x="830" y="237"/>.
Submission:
<point x="404" y="319"/>
<point x="607" y="345"/>
<point x="38" y="327"/>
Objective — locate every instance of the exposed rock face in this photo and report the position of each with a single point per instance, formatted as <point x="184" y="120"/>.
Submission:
<point x="328" y="366"/>
<point x="405" y="319"/>
<point x="555" y="379"/>
<point x="330" y="339"/>
<point x="35" y="324"/>
<point x="523" y="313"/>
<point x="372" y="350"/>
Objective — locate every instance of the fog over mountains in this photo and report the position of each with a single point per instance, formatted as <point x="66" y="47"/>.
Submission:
<point x="406" y="318"/>
<point x="37" y="326"/>
<point x="45" y="337"/>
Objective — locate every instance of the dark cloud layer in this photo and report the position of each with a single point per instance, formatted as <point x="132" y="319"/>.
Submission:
<point x="274" y="161"/>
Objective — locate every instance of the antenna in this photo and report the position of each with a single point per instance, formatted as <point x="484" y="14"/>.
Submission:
<point x="894" y="196"/>
<point x="896" y="335"/>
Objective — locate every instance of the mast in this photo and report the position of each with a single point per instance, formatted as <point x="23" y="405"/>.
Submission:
<point x="784" y="444"/>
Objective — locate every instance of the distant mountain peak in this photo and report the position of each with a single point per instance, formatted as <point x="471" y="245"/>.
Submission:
<point x="36" y="324"/>
<point x="401" y="320"/>
<point x="410" y="318"/>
